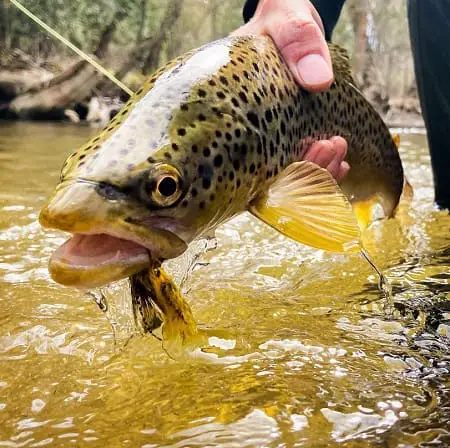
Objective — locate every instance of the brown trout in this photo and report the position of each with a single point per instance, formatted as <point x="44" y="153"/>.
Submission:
<point x="218" y="131"/>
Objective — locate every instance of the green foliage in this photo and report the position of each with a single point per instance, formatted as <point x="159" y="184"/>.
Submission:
<point x="200" y="21"/>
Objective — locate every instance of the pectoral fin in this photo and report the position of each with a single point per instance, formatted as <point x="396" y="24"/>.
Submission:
<point x="306" y="204"/>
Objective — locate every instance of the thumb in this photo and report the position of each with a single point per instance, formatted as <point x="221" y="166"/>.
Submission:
<point x="303" y="46"/>
<point x="297" y="31"/>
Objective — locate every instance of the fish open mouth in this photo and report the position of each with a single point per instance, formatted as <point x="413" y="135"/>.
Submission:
<point x="107" y="245"/>
<point x="97" y="259"/>
<point x="92" y="250"/>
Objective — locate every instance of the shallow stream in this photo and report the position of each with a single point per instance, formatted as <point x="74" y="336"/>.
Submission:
<point x="301" y="352"/>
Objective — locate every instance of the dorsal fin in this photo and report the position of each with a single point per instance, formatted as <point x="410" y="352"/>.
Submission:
<point x="341" y="63"/>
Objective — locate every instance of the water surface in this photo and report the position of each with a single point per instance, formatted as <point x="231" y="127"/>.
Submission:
<point x="302" y="353"/>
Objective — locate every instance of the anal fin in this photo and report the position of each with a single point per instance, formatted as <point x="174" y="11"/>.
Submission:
<point x="367" y="211"/>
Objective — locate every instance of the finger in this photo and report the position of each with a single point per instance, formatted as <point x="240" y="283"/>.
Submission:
<point x="313" y="151"/>
<point x="303" y="46"/>
<point x="325" y="155"/>
<point x="344" y="168"/>
<point x="334" y="167"/>
<point x="297" y="31"/>
<point x="340" y="145"/>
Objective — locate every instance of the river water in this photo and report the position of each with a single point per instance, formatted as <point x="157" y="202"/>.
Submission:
<point x="301" y="352"/>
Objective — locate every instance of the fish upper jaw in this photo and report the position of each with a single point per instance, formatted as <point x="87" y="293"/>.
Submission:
<point x="107" y="244"/>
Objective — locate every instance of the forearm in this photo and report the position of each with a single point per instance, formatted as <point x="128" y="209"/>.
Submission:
<point x="329" y="11"/>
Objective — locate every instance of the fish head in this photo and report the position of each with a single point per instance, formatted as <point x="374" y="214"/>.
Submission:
<point x="156" y="178"/>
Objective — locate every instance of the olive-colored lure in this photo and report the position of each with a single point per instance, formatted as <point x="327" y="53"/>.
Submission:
<point x="157" y="300"/>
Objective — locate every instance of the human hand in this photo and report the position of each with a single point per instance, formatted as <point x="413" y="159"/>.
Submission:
<point x="330" y="154"/>
<point x="297" y="30"/>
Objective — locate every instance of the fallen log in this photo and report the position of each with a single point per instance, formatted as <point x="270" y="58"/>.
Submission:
<point x="50" y="99"/>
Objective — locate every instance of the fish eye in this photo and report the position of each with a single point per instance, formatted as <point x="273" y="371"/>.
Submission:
<point x="167" y="186"/>
<point x="166" y="183"/>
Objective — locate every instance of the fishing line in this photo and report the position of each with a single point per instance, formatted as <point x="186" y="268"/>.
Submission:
<point x="69" y="44"/>
<point x="383" y="284"/>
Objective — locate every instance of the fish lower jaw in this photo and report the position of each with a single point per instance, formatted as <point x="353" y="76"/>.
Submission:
<point x="87" y="261"/>
<point x="96" y="258"/>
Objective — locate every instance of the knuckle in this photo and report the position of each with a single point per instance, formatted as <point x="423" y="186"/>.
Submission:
<point x="296" y="37"/>
<point x="297" y="30"/>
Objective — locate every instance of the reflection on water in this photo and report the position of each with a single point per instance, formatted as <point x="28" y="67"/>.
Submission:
<point x="300" y="350"/>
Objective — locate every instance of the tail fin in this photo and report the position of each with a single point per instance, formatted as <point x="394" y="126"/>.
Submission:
<point x="408" y="191"/>
<point x="396" y="138"/>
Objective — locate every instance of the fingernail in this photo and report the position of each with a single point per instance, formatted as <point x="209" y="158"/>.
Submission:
<point x="314" y="70"/>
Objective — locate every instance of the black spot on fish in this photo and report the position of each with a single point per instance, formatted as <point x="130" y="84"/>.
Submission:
<point x="272" y="149"/>
<point x="243" y="97"/>
<point x="253" y="118"/>
<point x="269" y="116"/>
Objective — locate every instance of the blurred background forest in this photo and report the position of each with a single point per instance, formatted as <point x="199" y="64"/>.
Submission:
<point x="40" y="78"/>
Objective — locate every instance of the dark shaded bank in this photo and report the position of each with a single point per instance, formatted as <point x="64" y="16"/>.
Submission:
<point x="37" y="90"/>
<point x="33" y="90"/>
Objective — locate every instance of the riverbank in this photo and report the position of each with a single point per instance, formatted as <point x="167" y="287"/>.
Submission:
<point x="71" y="90"/>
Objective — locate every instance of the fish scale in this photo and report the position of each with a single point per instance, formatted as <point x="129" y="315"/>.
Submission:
<point x="251" y="114"/>
<point x="222" y="124"/>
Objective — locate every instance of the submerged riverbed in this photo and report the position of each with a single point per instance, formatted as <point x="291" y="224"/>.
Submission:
<point x="301" y="352"/>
